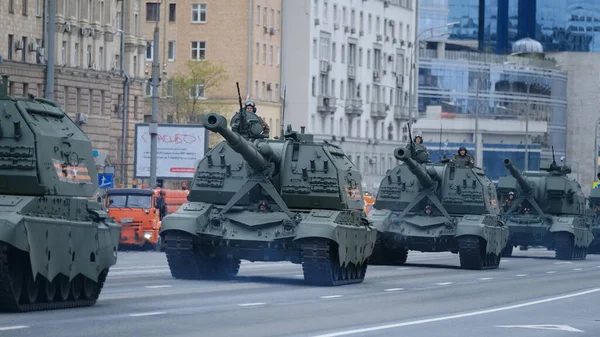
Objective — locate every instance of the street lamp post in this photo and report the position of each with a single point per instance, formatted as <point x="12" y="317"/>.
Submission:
<point x="413" y="59"/>
<point x="596" y="148"/>
<point x="153" y="127"/>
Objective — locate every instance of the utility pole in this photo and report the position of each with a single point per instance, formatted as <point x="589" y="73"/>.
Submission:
<point x="153" y="127"/>
<point x="50" y="44"/>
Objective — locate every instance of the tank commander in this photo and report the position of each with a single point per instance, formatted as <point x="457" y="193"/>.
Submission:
<point x="463" y="157"/>
<point x="509" y="201"/>
<point x="251" y="107"/>
<point x="253" y="121"/>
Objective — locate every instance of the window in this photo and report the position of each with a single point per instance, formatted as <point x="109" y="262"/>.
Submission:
<point x="264" y="54"/>
<point x="278" y="23"/>
<point x="257" y="56"/>
<point x="264" y="20"/>
<point x="101" y="58"/>
<point x="333" y="50"/>
<point x="197" y="91"/>
<point x="63" y="52"/>
<point x="24" y="7"/>
<point x="38" y="7"/>
<point x="325" y="11"/>
<point x="135" y="66"/>
<point x="149" y="50"/>
<point x="314" y="86"/>
<point x="88" y="56"/>
<point x="270" y="55"/>
<point x="314" y="48"/>
<point x="255" y="89"/>
<point x="171" y="51"/>
<point x="11" y="6"/>
<point x="102" y="12"/>
<point x="90" y="10"/>
<point x="198" y="50"/>
<point x="263" y="93"/>
<point x="152" y="11"/>
<point x="135" y="24"/>
<point x="76" y="55"/>
<point x="278" y="57"/>
<point x="272" y="18"/>
<point x="343" y="57"/>
<point x="258" y="15"/>
<point x="198" y="13"/>
<point x="360" y="57"/>
<point x="11" y="45"/>
<point x="172" y="12"/>
<point x="23" y="52"/>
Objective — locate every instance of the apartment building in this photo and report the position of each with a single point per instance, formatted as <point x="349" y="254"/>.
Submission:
<point x="242" y="36"/>
<point x="346" y="68"/>
<point x="88" y="83"/>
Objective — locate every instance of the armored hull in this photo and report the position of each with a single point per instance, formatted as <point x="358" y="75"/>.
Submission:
<point x="435" y="208"/>
<point x="271" y="200"/>
<point x="56" y="245"/>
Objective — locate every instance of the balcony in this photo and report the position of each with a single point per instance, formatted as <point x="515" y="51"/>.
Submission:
<point x="326" y="104"/>
<point x="400" y="113"/>
<point x="351" y="71"/>
<point x="324" y="66"/>
<point x="353" y="107"/>
<point x="378" y="110"/>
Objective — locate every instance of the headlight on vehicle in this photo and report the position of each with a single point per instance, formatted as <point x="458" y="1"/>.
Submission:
<point x="148" y="235"/>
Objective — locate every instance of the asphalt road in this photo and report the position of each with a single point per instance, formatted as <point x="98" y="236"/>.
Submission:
<point x="429" y="297"/>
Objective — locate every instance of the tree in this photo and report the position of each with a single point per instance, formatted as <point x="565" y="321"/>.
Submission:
<point x="186" y="91"/>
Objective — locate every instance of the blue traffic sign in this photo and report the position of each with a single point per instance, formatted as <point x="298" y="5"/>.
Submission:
<point x="105" y="180"/>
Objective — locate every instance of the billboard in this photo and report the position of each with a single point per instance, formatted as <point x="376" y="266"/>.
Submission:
<point x="179" y="146"/>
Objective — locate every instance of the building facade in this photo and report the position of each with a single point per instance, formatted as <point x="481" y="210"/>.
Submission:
<point x="244" y="40"/>
<point x="345" y="67"/>
<point x="88" y="79"/>
<point x="568" y="33"/>
<point x="492" y="103"/>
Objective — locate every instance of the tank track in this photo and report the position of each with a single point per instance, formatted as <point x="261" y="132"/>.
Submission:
<point x="320" y="264"/>
<point x="564" y="247"/>
<point x="79" y="292"/>
<point x="383" y="255"/>
<point x="474" y="256"/>
<point x="186" y="261"/>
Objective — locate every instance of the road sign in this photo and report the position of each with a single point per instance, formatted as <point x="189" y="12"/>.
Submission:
<point x="105" y="180"/>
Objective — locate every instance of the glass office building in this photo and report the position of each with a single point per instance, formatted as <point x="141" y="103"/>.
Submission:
<point x="560" y="25"/>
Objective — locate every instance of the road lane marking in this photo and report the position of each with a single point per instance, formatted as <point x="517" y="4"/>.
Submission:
<point x="393" y="289"/>
<point x="550" y="272"/>
<point x="486" y="278"/>
<point x="521" y="275"/>
<point x="577" y="269"/>
<point x="451" y="317"/>
<point x="14" y="327"/>
<point x="147" y="314"/>
<point x="403" y="268"/>
<point x="543" y="327"/>
<point x="160" y="286"/>
<point x="443" y="283"/>
<point x="331" y="296"/>
<point x="251" y="304"/>
<point x="563" y="262"/>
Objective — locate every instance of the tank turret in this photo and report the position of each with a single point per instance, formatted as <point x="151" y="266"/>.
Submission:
<point x="448" y="207"/>
<point x="258" y="157"/>
<point x="403" y="155"/>
<point x="54" y="235"/>
<point x="545" y="208"/>
<point x="289" y="199"/>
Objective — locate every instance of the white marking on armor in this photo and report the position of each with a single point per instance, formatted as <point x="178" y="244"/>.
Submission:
<point x="331" y="296"/>
<point x="393" y="289"/>
<point x="451" y="317"/>
<point x="550" y="272"/>
<point x="14" y="327"/>
<point x="160" y="286"/>
<point x="443" y="283"/>
<point x="148" y="314"/>
<point x="251" y="304"/>
<point x="521" y="275"/>
<point x="486" y="278"/>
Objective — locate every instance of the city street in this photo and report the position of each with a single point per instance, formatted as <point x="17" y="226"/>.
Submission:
<point x="429" y="296"/>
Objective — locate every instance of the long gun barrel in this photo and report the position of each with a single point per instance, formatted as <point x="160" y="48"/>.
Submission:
<point x="517" y="175"/>
<point x="257" y="158"/>
<point x="403" y="154"/>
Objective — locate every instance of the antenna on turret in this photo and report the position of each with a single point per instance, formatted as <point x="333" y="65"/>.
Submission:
<point x="242" y="111"/>
<point x="283" y="111"/>
<point x="412" y="145"/>
<point x="553" y="166"/>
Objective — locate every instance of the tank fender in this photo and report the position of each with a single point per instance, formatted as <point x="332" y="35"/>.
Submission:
<point x="380" y="219"/>
<point x="188" y="218"/>
<point x="345" y="228"/>
<point x="582" y="234"/>
<point x="488" y="227"/>
<point x="13" y="232"/>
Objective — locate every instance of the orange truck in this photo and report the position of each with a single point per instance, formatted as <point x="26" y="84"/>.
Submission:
<point x="369" y="201"/>
<point x="137" y="211"/>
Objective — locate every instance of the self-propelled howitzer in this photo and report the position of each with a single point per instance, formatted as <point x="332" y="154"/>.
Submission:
<point x="288" y="199"/>
<point x="56" y="242"/>
<point x="435" y="207"/>
<point x="548" y="210"/>
<point x="594" y="217"/>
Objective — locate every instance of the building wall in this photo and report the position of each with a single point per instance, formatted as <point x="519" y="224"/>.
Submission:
<point x="337" y="87"/>
<point x="583" y="115"/>
<point x="88" y="85"/>
<point x="233" y="45"/>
